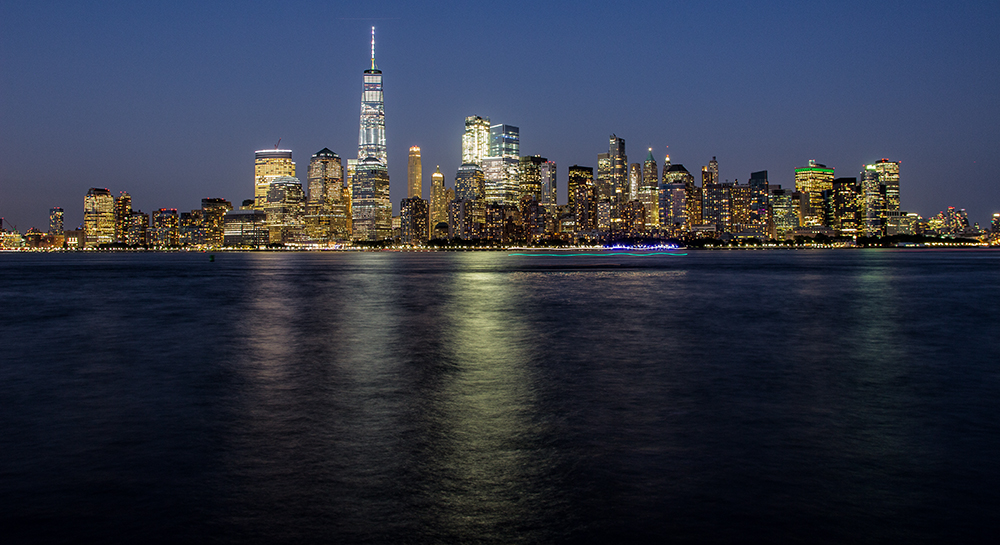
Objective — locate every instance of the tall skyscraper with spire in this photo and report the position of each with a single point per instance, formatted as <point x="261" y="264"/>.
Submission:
<point x="371" y="139"/>
<point x="371" y="209"/>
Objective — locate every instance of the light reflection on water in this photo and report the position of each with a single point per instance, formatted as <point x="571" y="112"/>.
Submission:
<point x="425" y="398"/>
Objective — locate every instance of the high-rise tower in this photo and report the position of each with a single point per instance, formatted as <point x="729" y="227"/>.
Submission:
<point x="439" y="199"/>
<point x="371" y="139"/>
<point x="269" y="164"/>
<point x="476" y="140"/>
<point x="415" y="174"/>
<point x="888" y="173"/>
<point x="99" y="216"/>
<point x="812" y="181"/>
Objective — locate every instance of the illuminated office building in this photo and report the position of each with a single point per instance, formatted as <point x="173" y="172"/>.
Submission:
<point x="741" y="220"/>
<point x="325" y="179"/>
<point x="138" y="229"/>
<point x="502" y="224"/>
<point x="680" y="199"/>
<point x="371" y="136"/>
<point x="612" y="176"/>
<point x="268" y="165"/>
<point x="634" y="180"/>
<point x="841" y="206"/>
<point x="123" y="216"/>
<point x="712" y="172"/>
<point x="634" y="218"/>
<point x="285" y="207"/>
<point x="549" y="189"/>
<point x="531" y="176"/>
<point x="246" y="229"/>
<point x="811" y="181"/>
<point x="873" y="202"/>
<point x="505" y="141"/>
<point x="648" y="193"/>
<point x="716" y="206"/>
<point x="470" y="183"/>
<point x="413" y="221"/>
<point x="347" y="195"/>
<point x="99" y="217"/>
<point x="326" y="211"/>
<point x="439" y="199"/>
<point x="888" y="173"/>
<point x="502" y="177"/>
<point x="476" y="140"/>
<point x="466" y="218"/>
<point x="165" y="231"/>
<point x="55" y="220"/>
<point x="752" y="207"/>
<point x="414" y="174"/>
<point x="371" y="207"/>
<point x="650" y="172"/>
<point x="213" y="212"/>
<point x="192" y="229"/>
<point x="578" y="178"/>
<point x="785" y="207"/>
<point x="603" y="190"/>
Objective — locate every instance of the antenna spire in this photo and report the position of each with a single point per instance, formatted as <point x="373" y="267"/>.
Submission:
<point x="373" y="48"/>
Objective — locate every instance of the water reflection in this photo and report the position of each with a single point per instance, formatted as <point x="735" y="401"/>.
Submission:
<point x="487" y="447"/>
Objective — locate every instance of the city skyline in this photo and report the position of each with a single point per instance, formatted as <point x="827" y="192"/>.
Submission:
<point x="937" y="115"/>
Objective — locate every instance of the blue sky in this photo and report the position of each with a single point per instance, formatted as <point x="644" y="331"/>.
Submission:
<point x="168" y="101"/>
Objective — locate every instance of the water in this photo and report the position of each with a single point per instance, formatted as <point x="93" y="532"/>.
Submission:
<point x="778" y="396"/>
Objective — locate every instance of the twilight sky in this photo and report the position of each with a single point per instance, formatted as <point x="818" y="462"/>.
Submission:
<point x="169" y="100"/>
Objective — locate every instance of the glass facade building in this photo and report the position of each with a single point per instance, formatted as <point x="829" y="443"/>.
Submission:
<point x="371" y="136"/>
<point x="476" y="140"/>
<point x="268" y="165"/>
<point x="371" y="208"/>
<point x="99" y="217"/>
<point x="414" y="174"/>
<point x="811" y="181"/>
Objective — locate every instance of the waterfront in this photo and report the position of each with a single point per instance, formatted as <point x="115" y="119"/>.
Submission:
<point x="821" y="396"/>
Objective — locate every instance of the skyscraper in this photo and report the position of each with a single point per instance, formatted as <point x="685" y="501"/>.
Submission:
<point x="123" y="216"/>
<point x="439" y="199"/>
<point x="873" y="201"/>
<point x="413" y="219"/>
<point x="325" y="213"/>
<point x="470" y="184"/>
<point x="56" y="220"/>
<point x="501" y="165"/>
<point x="268" y="165"/>
<point x="549" y="189"/>
<point x="531" y="176"/>
<point x="505" y="141"/>
<point x="476" y="140"/>
<point x="371" y="137"/>
<point x="166" y="228"/>
<point x="99" y="216"/>
<point x="285" y="207"/>
<point x="414" y="174"/>
<point x="713" y="172"/>
<point x="612" y="174"/>
<point x="579" y="178"/>
<point x="371" y="208"/>
<point x="634" y="180"/>
<point x="888" y="173"/>
<point x="812" y="181"/>
<point x="325" y="178"/>
<point x="648" y="193"/>
<point x="214" y="213"/>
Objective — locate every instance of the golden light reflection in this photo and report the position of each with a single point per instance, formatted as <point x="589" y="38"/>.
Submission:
<point x="489" y="443"/>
